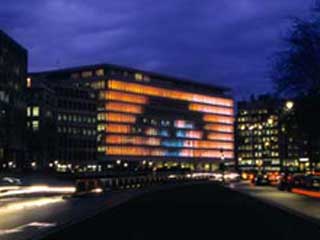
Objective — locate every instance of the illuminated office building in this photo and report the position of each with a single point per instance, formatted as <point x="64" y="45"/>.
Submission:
<point x="266" y="138"/>
<point x="148" y="119"/>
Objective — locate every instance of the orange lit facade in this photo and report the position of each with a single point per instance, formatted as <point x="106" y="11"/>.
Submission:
<point x="146" y="117"/>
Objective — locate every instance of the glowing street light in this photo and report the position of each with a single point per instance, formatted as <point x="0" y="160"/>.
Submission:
<point x="289" y="105"/>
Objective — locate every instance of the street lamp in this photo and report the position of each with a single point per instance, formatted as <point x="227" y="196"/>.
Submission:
<point x="289" y="105"/>
<point x="222" y="165"/>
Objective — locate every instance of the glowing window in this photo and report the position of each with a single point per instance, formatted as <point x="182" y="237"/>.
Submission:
<point x="183" y="124"/>
<point x="29" y="111"/>
<point x="35" y="125"/>
<point x="35" y="111"/>
<point x="218" y="119"/>
<point x="86" y="74"/>
<point x="138" y="76"/>
<point x="123" y="107"/>
<point x="29" y="82"/>
<point x="220" y="136"/>
<point x="126" y="97"/>
<point x="166" y="93"/>
<point x="219" y="128"/>
<point x="132" y="140"/>
<point x="118" y="128"/>
<point x="151" y="132"/>
<point x="118" y="117"/>
<point x="100" y="72"/>
<point x="210" y="109"/>
<point x="189" y="134"/>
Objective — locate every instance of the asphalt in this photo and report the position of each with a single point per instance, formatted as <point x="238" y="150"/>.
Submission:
<point x="34" y="217"/>
<point x="201" y="211"/>
<point x="300" y="205"/>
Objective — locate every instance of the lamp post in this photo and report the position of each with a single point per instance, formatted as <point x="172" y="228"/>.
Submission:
<point x="222" y="165"/>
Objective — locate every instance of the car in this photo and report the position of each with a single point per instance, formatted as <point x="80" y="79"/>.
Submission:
<point x="285" y="182"/>
<point x="261" y="179"/>
<point x="10" y="181"/>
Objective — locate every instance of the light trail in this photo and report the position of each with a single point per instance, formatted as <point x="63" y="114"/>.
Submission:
<point x="28" y="204"/>
<point x="22" y="227"/>
<point x="37" y="189"/>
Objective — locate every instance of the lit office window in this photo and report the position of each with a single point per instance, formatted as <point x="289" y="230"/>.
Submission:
<point x="123" y="107"/>
<point x="219" y="128"/>
<point x="138" y="76"/>
<point x="167" y="93"/>
<point x="29" y="82"/>
<point x="210" y="109"/>
<point x="86" y="74"/>
<point x="35" y="111"/>
<point x="100" y="72"/>
<point x="118" y="128"/>
<point x="218" y="119"/>
<point x="35" y="125"/>
<point x="126" y="97"/>
<point x="118" y="117"/>
<point x="219" y="136"/>
<point x="29" y="111"/>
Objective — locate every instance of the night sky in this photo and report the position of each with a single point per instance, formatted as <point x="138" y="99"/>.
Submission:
<point x="214" y="41"/>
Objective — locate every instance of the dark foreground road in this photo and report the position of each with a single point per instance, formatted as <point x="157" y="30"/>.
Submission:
<point x="205" y="211"/>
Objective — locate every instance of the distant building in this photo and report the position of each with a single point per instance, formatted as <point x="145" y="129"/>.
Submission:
<point x="77" y="129"/>
<point x="147" y="120"/>
<point x="13" y="71"/>
<point x="62" y="126"/>
<point x="266" y="136"/>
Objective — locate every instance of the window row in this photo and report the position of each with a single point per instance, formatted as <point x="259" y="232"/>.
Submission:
<point x="160" y="152"/>
<point x="167" y="93"/>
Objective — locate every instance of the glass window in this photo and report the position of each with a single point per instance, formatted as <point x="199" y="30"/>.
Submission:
<point x="100" y="72"/>
<point x="35" y="111"/>
<point x="35" y="125"/>
<point x="28" y="111"/>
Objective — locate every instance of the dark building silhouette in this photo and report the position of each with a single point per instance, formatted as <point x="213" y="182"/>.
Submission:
<point x="61" y="126"/>
<point x="150" y="120"/>
<point x="266" y="136"/>
<point x="13" y="71"/>
<point x="41" y="125"/>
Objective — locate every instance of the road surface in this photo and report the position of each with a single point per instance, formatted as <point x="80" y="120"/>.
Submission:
<point x="202" y="211"/>
<point x="26" y="218"/>
<point x="295" y="203"/>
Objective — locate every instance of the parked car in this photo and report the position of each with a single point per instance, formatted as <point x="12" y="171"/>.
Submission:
<point x="301" y="181"/>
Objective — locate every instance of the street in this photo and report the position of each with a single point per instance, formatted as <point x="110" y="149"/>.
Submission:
<point x="295" y="203"/>
<point x="26" y="218"/>
<point x="36" y="217"/>
<point x="201" y="211"/>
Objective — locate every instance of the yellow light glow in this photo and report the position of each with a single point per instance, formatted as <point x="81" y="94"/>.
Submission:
<point x="123" y="107"/>
<point x="219" y="136"/>
<point x="289" y="105"/>
<point x="219" y="128"/>
<point x="118" y="117"/>
<point x="118" y="128"/>
<point x="218" y="119"/>
<point x="29" y="204"/>
<point x="167" y="93"/>
<point x="37" y="189"/>
<point x="210" y="109"/>
<point x="126" y="97"/>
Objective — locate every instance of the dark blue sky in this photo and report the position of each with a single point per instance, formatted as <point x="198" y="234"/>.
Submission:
<point x="214" y="41"/>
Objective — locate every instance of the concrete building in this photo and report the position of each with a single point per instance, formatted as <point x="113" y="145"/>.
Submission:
<point x="266" y="136"/>
<point x="146" y="119"/>
<point x="61" y="126"/>
<point x="13" y="71"/>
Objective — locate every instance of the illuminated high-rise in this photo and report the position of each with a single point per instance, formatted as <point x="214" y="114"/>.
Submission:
<point x="150" y="119"/>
